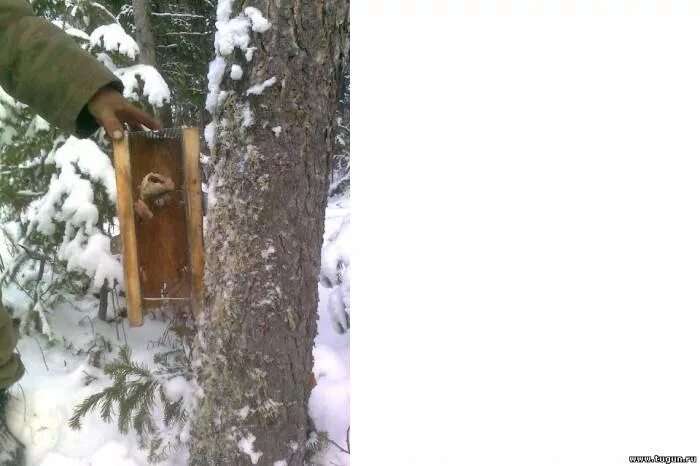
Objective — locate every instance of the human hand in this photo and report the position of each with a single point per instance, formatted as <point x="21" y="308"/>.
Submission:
<point x="111" y="110"/>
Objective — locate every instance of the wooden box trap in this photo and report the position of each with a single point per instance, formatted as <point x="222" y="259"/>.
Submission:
<point x="159" y="201"/>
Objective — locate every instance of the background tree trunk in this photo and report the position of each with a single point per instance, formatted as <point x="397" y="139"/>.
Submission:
<point x="264" y="237"/>
<point x="143" y="34"/>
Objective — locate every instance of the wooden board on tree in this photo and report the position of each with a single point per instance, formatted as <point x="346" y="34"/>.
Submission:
<point x="159" y="201"/>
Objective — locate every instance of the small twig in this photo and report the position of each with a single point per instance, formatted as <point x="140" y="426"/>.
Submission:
<point x="116" y="328"/>
<point x="338" y="446"/>
<point x="24" y="398"/>
<point x="115" y="308"/>
<point x="104" y="303"/>
<point x="124" y="333"/>
<point x="91" y="325"/>
<point x="42" y="353"/>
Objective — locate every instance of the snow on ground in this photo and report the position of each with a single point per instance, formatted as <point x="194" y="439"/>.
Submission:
<point x="330" y="400"/>
<point x="54" y="383"/>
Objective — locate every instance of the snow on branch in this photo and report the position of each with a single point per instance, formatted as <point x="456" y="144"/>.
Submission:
<point x="114" y="39"/>
<point x="9" y="112"/>
<point x="7" y="102"/>
<point x="72" y="191"/>
<point x="70" y="200"/>
<point x="91" y="254"/>
<point x="155" y="89"/>
<point x="71" y="31"/>
<point x="105" y="10"/>
<point x="107" y="61"/>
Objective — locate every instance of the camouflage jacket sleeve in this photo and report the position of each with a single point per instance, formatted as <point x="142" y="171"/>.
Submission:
<point x="44" y="68"/>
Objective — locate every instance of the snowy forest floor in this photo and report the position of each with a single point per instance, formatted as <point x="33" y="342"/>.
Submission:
<point x="55" y="380"/>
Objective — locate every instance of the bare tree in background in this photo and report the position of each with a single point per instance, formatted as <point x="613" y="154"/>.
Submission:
<point x="143" y="33"/>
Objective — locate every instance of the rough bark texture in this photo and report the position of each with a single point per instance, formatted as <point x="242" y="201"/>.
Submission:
<point x="147" y="50"/>
<point x="264" y="237"/>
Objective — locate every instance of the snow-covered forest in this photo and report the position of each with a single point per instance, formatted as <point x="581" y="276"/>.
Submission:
<point x="96" y="390"/>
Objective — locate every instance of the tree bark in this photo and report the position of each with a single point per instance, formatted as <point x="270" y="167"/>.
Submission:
<point x="147" y="50"/>
<point x="264" y="237"/>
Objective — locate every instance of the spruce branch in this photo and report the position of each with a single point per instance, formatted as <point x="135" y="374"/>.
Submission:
<point x="132" y="399"/>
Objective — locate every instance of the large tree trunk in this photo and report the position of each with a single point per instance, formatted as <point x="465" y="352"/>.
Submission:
<point x="264" y="237"/>
<point x="147" y="50"/>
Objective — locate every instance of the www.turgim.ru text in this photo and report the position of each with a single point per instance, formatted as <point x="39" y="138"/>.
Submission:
<point x="663" y="459"/>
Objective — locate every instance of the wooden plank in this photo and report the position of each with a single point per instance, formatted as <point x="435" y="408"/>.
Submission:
<point x="125" y="208"/>
<point x="162" y="240"/>
<point x="193" y="194"/>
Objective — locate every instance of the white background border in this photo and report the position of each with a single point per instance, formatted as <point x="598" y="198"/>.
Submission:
<point x="526" y="220"/>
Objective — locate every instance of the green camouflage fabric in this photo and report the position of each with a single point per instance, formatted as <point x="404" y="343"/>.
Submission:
<point x="11" y="368"/>
<point x="43" y="67"/>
